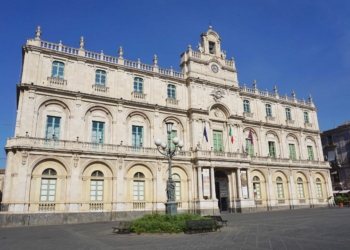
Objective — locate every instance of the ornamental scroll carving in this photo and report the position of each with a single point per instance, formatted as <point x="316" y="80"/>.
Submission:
<point x="218" y="94"/>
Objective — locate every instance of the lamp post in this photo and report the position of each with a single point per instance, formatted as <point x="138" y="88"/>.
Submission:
<point x="164" y="149"/>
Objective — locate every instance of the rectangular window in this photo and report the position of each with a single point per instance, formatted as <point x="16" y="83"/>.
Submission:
<point x="217" y="140"/>
<point x="57" y="70"/>
<point x="319" y="190"/>
<point x="249" y="147"/>
<point x="53" y="127"/>
<point x="138" y="85"/>
<point x="288" y="114"/>
<point x="256" y="187"/>
<point x="48" y="190"/>
<point x="139" y="190"/>
<point x="171" y="91"/>
<point x="300" y="190"/>
<point x="272" y="150"/>
<point x="137" y="136"/>
<point x="306" y="117"/>
<point x="96" y="192"/>
<point x="310" y="153"/>
<point x="170" y="139"/>
<point x="97" y="135"/>
<point x="280" y="194"/>
<point x="268" y="110"/>
<point x="177" y="190"/>
<point x="100" y="77"/>
<point x="292" y="152"/>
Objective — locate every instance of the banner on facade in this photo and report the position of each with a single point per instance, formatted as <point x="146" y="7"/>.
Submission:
<point x="206" y="182"/>
<point x="244" y="184"/>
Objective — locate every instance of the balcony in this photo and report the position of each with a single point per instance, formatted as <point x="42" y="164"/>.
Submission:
<point x="138" y="96"/>
<point x="172" y="102"/>
<point x="290" y="122"/>
<point x="248" y="115"/>
<point x="308" y="125"/>
<point x="270" y="119"/>
<point x="99" y="89"/>
<point x="57" y="82"/>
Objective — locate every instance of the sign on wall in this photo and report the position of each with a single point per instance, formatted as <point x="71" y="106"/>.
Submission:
<point x="244" y="184"/>
<point x="206" y="182"/>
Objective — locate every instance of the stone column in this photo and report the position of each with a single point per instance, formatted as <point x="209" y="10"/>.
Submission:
<point x="200" y="189"/>
<point x="291" y="189"/>
<point x="6" y="195"/>
<point x="239" y="191"/>
<point x="212" y="182"/>
<point x="250" y="185"/>
<point x="312" y="195"/>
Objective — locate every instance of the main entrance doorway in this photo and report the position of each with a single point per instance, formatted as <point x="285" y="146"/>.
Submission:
<point x="221" y="190"/>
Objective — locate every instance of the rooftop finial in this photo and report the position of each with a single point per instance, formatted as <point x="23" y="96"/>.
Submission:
<point x="155" y="60"/>
<point x="82" y="43"/>
<point x="210" y="27"/>
<point x="189" y="47"/>
<point x="293" y="94"/>
<point x="120" y="52"/>
<point x="255" y="85"/>
<point x="38" y="33"/>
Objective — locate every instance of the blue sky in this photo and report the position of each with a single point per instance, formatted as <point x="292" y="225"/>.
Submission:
<point x="297" y="45"/>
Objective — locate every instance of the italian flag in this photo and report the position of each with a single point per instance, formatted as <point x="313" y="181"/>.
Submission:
<point x="231" y="135"/>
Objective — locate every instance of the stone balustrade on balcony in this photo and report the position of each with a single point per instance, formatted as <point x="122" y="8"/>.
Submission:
<point x="57" y="82"/>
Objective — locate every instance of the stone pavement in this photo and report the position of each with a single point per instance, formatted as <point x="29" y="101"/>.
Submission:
<point x="318" y="228"/>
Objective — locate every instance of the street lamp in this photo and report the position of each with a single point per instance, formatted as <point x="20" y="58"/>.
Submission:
<point x="164" y="149"/>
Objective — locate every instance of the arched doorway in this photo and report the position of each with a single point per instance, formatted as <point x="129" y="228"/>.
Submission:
<point x="221" y="190"/>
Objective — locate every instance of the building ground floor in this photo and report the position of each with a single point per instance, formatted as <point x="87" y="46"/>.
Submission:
<point x="95" y="185"/>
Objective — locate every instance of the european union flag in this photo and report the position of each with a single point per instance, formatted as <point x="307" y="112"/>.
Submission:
<point x="205" y="133"/>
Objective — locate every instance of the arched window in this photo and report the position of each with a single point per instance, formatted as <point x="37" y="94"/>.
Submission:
<point x="138" y="85"/>
<point x="300" y="188"/>
<point x="96" y="186"/>
<point x="57" y="70"/>
<point x="319" y="188"/>
<point x="176" y="178"/>
<point x="268" y="110"/>
<point x="310" y="153"/>
<point x="100" y="78"/>
<point x="288" y="114"/>
<point x="306" y="117"/>
<point x="171" y="91"/>
<point x="256" y="187"/>
<point x="246" y="106"/>
<point x="97" y="174"/>
<point x="139" y="187"/>
<point x="48" y="185"/>
<point x="279" y="187"/>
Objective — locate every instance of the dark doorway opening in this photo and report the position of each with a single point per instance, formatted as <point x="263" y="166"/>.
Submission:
<point x="221" y="190"/>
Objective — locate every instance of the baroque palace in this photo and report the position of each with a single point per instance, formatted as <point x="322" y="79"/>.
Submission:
<point x="86" y="125"/>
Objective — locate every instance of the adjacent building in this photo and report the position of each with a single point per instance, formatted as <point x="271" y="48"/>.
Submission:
<point x="86" y="125"/>
<point x="336" y="148"/>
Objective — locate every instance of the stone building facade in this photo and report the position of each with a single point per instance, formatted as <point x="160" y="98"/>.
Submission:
<point x="336" y="148"/>
<point x="86" y="124"/>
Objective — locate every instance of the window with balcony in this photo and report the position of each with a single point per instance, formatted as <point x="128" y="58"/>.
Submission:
<point x="171" y="91"/>
<point x="96" y="186"/>
<point x="53" y="124"/>
<point x="300" y="185"/>
<point x="217" y="140"/>
<point x="100" y="78"/>
<point x="139" y="187"/>
<point x="48" y="185"/>
<point x="137" y="136"/>
<point x="279" y="187"/>
<point x="246" y="106"/>
<point x="249" y="147"/>
<point x="272" y="149"/>
<point x="292" y="154"/>
<point x="57" y="70"/>
<point x="138" y="85"/>
<point x="256" y="187"/>
<point x="98" y="132"/>
<point x="268" y="110"/>
<point x="170" y="139"/>
<point x="310" y="153"/>
<point x="306" y="117"/>
<point x="288" y="114"/>
<point x="176" y="178"/>
<point x="319" y="188"/>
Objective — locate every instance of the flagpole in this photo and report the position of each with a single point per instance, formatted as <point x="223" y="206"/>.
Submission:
<point x="225" y="142"/>
<point x="203" y="135"/>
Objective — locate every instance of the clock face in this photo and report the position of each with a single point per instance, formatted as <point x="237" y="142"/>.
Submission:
<point x="214" y="68"/>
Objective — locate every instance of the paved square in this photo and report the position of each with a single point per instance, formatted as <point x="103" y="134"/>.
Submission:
<point x="321" y="228"/>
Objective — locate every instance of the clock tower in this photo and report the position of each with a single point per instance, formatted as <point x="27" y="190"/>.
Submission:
<point x="208" y="62"/>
